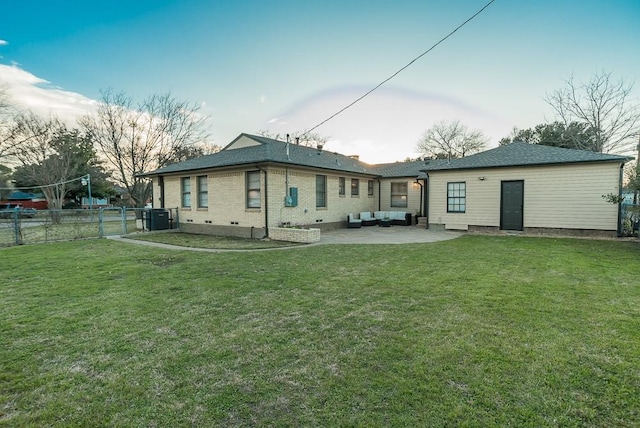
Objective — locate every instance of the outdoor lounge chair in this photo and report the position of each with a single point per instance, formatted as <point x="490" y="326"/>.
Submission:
<point x="353" y="222"/>
<point x="368" y="219"/>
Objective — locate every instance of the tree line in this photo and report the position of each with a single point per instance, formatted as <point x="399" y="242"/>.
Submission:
<point x="115" y="145"/>
<point x="121" y="140"/>
<point x="599" y="115"/>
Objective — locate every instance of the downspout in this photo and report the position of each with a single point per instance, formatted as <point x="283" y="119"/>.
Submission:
<point x="286" y="172"/>
<point x="379" y="194"/>
<point x="619" y="229"/>
<point x="421" y="196"/>
<point x="286" y="181"/>
<point x="426" y="199"/>
<point x="421" y="205"/>
<point x="266" y="202"/>
<point x="161" y="185"/>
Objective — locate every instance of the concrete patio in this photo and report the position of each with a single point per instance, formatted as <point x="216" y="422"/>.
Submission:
<point x="364" y="235"/>
<point x="385" y="235"/>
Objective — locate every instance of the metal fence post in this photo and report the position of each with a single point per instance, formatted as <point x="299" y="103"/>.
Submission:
<point x="16" y="226"/>
<point x="124" y="220"/>
<point x="101" y="222"/>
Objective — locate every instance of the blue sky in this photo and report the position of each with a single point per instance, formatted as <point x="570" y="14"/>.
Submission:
<point x="285" y="66"/>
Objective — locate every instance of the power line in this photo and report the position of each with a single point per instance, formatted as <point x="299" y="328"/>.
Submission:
<point x="402" y="69"/>
<point x="45" y="185"/>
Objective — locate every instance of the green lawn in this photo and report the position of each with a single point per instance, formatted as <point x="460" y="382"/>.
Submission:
<point x="477" y="331"/>
<point x="208" y="241"/>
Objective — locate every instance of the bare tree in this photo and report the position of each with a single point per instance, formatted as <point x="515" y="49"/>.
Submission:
<point x="192" y="151"/>
<point x="312" y="139"/>
<point x="8" y="112"/>
<point x="136" y="139"/>
<point x="604" y="105"/>
<point x="5" y="175"/>
<point x="450" y="140"/>
<point x="44" y="160"/>
<point x="5" y="102"/>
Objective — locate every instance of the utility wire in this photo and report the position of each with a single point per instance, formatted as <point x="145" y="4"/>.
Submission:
<point x="402" y="69"/>
<point x="45" y="185"/>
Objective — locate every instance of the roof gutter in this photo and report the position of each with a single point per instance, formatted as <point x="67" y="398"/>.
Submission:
<point x="161" y="185"/>
<point x="421" y="195"/>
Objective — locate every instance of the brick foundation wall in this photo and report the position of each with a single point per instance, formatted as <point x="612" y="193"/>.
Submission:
<point x="211" y="229"/>
<point x="294" y="235"/>
<point x="548" y="231"/>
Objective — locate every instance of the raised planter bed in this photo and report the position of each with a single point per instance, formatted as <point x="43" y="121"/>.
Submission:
<point x="292" y="234"/>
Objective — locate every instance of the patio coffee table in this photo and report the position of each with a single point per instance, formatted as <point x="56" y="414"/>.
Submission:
<point x="384" y="223"/>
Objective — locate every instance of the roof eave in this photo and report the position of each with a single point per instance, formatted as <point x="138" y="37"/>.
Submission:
<point x="620" y="160"/>
<point x="261" y="162"/>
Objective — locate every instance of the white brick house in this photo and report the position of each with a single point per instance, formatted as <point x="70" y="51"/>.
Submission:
<point x="256" y="183"/>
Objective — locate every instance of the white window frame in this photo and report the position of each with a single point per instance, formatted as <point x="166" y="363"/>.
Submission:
<point x="185" y="192"/>
<point x="457" y="197"/>
<point x="355" y="187"/>
<point x="253" y="190"/>
<point x="203" y="191"/>
<point x="321" y="191"/>
<point x="399" y="196"/>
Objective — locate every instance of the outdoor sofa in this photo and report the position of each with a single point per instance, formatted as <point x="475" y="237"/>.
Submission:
<point x="396" y="217"/>
<point x="368" y="219"/>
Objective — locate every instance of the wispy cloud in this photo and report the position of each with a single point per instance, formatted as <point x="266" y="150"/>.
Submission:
<point x="276" y="120"/>
<point x="30" y="92"/>
<point x="387" y="125"/>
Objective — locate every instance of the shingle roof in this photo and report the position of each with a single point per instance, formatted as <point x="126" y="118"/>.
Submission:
<point x="404" y="169"/>
<point x="523" y="154"/>
<point x="269" y="150"/>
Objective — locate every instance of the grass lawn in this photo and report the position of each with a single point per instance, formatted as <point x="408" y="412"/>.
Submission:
<point x="209" y="241"/>
<point x="477" y="331"/>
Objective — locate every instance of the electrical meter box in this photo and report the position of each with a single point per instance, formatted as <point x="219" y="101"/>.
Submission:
<point x="291" y="200"/>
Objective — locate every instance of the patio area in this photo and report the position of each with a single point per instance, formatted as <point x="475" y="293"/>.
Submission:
<point x="385" y="235"/>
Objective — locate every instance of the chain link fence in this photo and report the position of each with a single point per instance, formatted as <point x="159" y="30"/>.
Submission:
<point x="631" y="220"/>
<point x="18" y="228"/>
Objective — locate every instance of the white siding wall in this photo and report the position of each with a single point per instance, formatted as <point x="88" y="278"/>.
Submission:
<point x="242" y="142"/>
<point x="565" y="196"/>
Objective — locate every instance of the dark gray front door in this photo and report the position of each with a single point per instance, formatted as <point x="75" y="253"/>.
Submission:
<point x="511" y="202"/>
